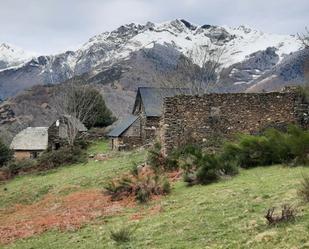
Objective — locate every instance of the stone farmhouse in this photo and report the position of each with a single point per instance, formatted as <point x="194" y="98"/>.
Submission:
<point x="175" y="118"/>
<point x="140" y="128"/>
<point x="32" y="141"/>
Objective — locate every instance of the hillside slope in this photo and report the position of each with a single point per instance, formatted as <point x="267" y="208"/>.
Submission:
<point x="228" y="214"/>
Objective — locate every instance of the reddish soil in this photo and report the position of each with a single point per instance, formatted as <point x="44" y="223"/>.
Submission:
<point x="174" y="176"/>
<point x="61" y="212"/>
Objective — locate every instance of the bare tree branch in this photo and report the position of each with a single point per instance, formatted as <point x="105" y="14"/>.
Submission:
<point x="304" y="38"/>
<point x="72" y="101"/>
<point x="200" y="66"/>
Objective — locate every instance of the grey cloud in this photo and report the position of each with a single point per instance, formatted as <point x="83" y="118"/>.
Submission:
<point x="49" y="26"/>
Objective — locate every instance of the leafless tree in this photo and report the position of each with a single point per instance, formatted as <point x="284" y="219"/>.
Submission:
<point x="209" y="59"/>
<point x="304" y="38"/>
<point x="200" y="68"/>
<point x="73" y="102"/>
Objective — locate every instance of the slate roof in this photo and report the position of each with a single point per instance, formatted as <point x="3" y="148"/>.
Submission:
<point x="152" y="98"/>
<point x="122" y="126"/>
<point x="31" y="138"/>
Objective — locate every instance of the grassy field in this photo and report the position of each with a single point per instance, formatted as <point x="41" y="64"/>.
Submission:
<point x="227" y="214"/>
<point x="30" y="188"/>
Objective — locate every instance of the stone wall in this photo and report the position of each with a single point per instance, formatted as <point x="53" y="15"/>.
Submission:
<point x="199" y="119"/>
<point x="20" y="155"/>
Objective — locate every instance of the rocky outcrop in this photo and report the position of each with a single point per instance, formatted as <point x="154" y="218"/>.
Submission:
<point x="7" y="115"/>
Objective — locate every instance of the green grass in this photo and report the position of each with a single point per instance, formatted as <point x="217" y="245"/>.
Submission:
<point x="227" y="214"/>
<point x="64" y="180"/>
<point x="99" y="147"/>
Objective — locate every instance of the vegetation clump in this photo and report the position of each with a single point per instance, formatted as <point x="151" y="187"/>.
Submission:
<point x="158" y="161"/>
<point x="142" y="185"/>
<point x="121" y="235"/>
<point x="303" y="192"/>
<point x="5" y="154"/>
<point x="201" y="167"/>
<point x="273" y="147"/>
<point x="63" y="156"/>
<point x="288" y="214"/>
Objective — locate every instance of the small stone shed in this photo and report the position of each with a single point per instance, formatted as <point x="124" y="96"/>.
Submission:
<point x="142" y="126"/>
<point x="58" y="132"/>
<point x="30" y="142"/>
<point x="126" y="134"/>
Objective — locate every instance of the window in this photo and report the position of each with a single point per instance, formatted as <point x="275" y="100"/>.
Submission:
<point x="57" y="146"/>
<point x="34" y="154"/>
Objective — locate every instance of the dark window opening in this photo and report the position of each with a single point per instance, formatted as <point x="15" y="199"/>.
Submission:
<point x="34" y="155"/>
<point x="57" y="146"/>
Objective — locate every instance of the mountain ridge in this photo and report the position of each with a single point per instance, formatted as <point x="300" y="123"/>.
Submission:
<point x="157" y="55"/>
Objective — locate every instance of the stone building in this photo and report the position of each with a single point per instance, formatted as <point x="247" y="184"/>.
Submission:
<point x="203" y="119"/>
<point x="142" y="127"/>
<point x="59" y="131"/>
<point x="30" y="142"/>
<point x="126" y="135"/>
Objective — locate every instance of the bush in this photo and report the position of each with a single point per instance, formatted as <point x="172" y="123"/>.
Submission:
<point x="141" y="185"/>
<point x="121" y="235"/>
<point x="5" y="154"/>
<point x="303" y="192"/>
<point x="272" y="147"/>
<point x="287" y="214"/>
<point x="63" y="156"/>
<point x="15" y="167"/>
<point x="298" y="143"/>
<point x="204" y="168"/>
<point x="158" y="161"/>
<point x="120" y="187"/>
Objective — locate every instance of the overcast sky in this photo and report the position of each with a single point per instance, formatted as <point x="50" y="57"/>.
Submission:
<point x="52" y="26"/>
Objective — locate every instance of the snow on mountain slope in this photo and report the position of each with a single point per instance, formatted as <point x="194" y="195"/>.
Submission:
<point x="247" y="55"/>
<point x="11" y="56"/>
<point x="238" y="43"/>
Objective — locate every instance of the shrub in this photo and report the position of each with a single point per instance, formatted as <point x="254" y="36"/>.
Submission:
<point x="121" y="235"/>
<point x="272" y="147"/>
<point x="120" y="187"/>
<point x="158" y="161"/>
<point x="204" y="168"/>
<point x="5" y="154"/>
<point x="166" y="186"/>
<point x="63" y="156"/>
<point x="208" y="169"/>
<point x="15" y="167"/>
<point x="288" y="213"/>
<point x="143" y="194"/>
<point x="142" y="186"/>
<point x="303" y="192"/>
<point x="298" y="143"/>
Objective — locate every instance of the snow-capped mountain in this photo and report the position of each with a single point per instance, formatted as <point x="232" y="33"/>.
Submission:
<point x="135" y="55"/>
<point x="11" y="56"/>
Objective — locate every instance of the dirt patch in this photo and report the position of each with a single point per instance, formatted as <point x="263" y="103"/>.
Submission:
<point x="61" y="212"/>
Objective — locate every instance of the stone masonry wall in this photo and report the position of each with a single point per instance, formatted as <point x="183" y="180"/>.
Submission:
<point x="198" y="119"/>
